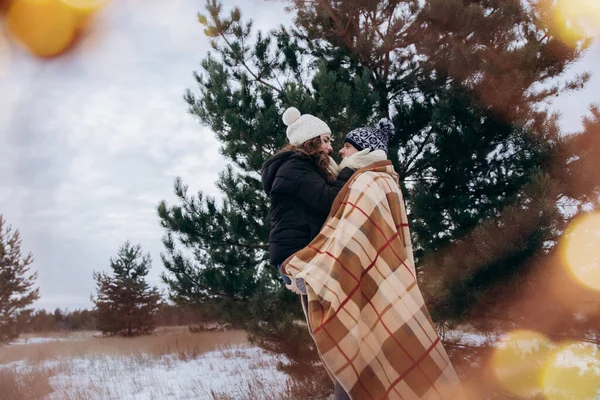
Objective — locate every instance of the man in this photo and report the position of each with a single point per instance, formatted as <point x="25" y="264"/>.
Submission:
<point x="365" y="310"/>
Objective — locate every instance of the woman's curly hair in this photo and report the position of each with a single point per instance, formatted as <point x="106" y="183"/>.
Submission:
<point x="311" y="148"/>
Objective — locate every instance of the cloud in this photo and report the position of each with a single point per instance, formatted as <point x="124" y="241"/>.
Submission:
<point x="93" y="140"/>
<point x="574" y="106"/>
<point x="125" y="148"/>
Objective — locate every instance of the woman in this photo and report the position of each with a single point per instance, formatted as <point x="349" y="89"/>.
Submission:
<point x="301" y="183"/>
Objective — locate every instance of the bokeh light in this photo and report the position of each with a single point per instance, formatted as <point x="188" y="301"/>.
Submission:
<point x="48" y="27"/>
<point x="83" y="9"/>
<point x="519" y="360"/>
<point x="572" y="372"/>
<point x="45" y="27"/>
<point x="581" y="251"/>
<point x="583" y="16"/>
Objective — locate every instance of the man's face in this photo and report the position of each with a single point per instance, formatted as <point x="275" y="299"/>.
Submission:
<point x="326" y="144"/>
<point x="347" y="150"/>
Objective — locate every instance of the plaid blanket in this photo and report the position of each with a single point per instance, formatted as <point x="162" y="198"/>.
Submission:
<point x="365" y="310"/>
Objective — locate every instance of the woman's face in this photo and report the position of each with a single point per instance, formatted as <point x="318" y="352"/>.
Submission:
<point x="347" y="150"/>
<point x="326" y="144"/>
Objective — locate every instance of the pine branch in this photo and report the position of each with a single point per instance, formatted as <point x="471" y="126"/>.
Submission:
<point x="237" y="244"/>
<point x="241" y="61"/>
<point x="207" y="289"/>
<point x="192" y="209"/>
<point x="418" y="153"/>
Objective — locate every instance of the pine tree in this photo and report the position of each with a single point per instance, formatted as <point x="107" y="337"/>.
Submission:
<point x="125" y="303"/>
<point x="487" y="172"/>
<point x="243" y="103"/>
<point x="465" y="83"/>
<point x="17" y="291"/>
<point x="465" y="80"/>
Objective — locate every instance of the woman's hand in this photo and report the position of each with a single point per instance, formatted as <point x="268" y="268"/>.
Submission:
<point x="297" y="286"/>
<point x="333" y="167"/>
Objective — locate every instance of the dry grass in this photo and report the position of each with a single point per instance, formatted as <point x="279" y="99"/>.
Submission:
<point x="166" y="342"/>
<point x="90" y="368"/>
<point x="31" y="385"/>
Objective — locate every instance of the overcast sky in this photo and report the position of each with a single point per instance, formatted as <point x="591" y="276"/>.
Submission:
<point x="91" y="141"/>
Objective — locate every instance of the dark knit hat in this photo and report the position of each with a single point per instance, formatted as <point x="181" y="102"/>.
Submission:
<point x="374" y="138"/>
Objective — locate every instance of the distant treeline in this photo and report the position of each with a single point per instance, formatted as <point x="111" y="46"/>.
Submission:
<point x="33" y="321"/>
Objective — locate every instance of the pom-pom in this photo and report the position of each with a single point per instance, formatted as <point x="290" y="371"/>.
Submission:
<point x="291" y="115"/>
<point x="386" y="126"/>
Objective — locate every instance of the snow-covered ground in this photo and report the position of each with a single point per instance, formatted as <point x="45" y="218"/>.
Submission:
<point x="471" y="339"/>
<point x="234" y="372"/>
<point x="231" y="372"/>
<point x="57" y="337"/>
<point x="37" y="340"/>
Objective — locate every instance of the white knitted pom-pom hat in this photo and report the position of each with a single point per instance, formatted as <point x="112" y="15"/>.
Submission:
<point x="303" y="127"/>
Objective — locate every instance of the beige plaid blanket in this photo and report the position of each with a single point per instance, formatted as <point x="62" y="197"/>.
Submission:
<point x="365" y="310"/>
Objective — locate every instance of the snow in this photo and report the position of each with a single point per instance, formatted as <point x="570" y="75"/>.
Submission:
<point x="234" y="372"/>
<point x="37" y="340"/>
<point x="581" y="356"/>
<point x="227" y="373"/>
<point x="223" y="371"/>
<point x="470" y="339"/>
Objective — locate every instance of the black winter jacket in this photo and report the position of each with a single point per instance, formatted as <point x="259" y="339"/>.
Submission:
<point x="301" y="199"/>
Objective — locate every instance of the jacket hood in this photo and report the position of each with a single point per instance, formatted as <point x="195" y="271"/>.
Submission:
<point x="270" y="168"/>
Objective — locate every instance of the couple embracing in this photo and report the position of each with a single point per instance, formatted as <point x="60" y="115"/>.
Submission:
<point x="340" y="239"/>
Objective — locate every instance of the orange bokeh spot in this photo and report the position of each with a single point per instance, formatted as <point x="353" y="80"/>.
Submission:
<point x="582" y="16"/>
<point x="581" y="251"/>
<point x="83" y="9"/>
<point x="45" y="27"/>
<point x="572" y="372"/>
<point x="519" y="360"/>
